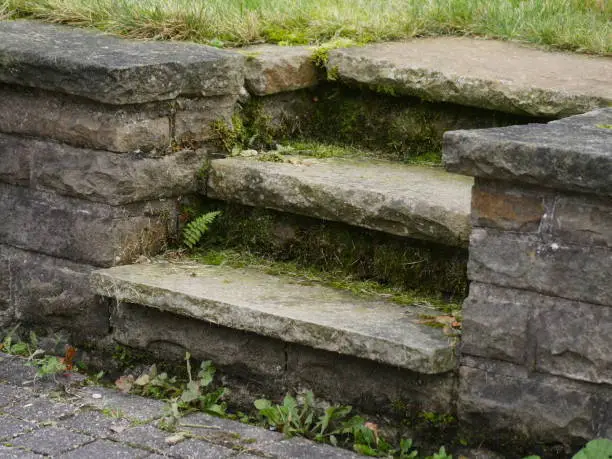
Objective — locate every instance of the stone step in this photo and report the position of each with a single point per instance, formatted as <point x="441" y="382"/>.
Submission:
<point x="489" y="74"/>
<point x="285" y="309"/>
<point x="415" y="201"/>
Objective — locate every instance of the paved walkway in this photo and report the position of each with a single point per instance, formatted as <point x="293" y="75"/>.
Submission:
<point x="63" y="418"/>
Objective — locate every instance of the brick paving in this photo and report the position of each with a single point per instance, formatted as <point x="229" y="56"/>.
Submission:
<point x="62" y="418"/>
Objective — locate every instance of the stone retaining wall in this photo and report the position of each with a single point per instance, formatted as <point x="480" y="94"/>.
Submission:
<point x="98" y="139"/>
<point x="538" y="320"/>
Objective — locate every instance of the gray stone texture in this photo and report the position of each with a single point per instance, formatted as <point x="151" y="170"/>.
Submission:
<point x="197" y="449"/>
<point x="83" y="231"/>
<point x="571" y="154"/>
<point x="100" y="176"/>
<point x="83" y="123"/>
<point x="112" y="70"/>
<point x="120" y="405"/>
<point x="271" y="69"/>
<point x="51" y="292"/>
<point x="194" y="118"/>
<point x="168" y="336"/>
<point x="51" y="441"/>
<point x="9" y="452"/>
<point x="105" y="449"/>
<point x="549" y="334"/>
<point x="278" y="307"/>
<point x="490" y="74"/>
<point x="414" y="201"/>
<point x="497" y="397"/>
<point x="541" y="264"/>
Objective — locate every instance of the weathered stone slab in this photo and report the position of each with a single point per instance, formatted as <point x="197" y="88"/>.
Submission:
<point x="418" y="202"/>
<point x="168" y="336"/>
<point x="84" y="123"/>
<point x="482" y="73"/>
<point x="498" y="397"/>
<point x="549" y="334"/>
<point x="271" y="69"/>
<point x="571" y="154"/>
<point x="194" y="118"/>
<point x="495" y="323"/>
<point x="112" y="70"/>
<point x="51" y="292"/>
<point x="110" y="178"/>
<point x="278" y="307"/>
<point x="15" y="164"/>
<point x="83" y="231"/>
<point x="551" y="267"/>
<point x="568" y="217"/>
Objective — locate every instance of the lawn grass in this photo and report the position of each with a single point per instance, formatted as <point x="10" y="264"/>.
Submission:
<point x="579" y="25"/>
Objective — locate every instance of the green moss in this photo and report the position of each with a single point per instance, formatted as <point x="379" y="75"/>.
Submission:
<point x="355" y="259"/>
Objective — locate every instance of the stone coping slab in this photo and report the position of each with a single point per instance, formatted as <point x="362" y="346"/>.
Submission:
<point x="570" y="154"/>
<point x="271" y="69"/>
<point x="283" y="308"/>
<point x="113" y="70"/>
<point x="481" y="73"/>
<point x="415" y="201"/>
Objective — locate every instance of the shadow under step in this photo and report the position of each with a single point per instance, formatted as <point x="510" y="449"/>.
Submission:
<point x="283" y="308"/>
<point x="415" y="201"/>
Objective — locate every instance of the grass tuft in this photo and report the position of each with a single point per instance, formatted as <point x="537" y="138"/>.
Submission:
<point x="579" y="25"/>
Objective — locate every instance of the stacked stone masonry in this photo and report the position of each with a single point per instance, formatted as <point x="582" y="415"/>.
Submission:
<point x="538" y="319"/>
<point x="98" y="138"/>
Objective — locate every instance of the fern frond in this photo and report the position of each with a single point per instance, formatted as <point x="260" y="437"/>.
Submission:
<point x="193" y="231"/>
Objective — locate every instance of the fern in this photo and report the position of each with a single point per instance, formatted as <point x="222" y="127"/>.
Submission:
<point x="193" y="231"/>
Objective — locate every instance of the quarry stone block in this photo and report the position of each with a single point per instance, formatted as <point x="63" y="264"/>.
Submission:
<point x="194" y="118"/>
<point x="83" y="123"/>
<point x="500" y="397"/>
<point x="546" y="333"/>
<point x="111" y="178"/>
<point x="526" y="261"/>
<point x="495" y="322"/>
<point x="582" y="220"/>
<point x="414" y="201"/>
<point x="271" y="69"/>
<point x="15" y="160"/>
<point x="168" y="336"/>
<point x="571" y="154"/>
<point x="278" y="307"/>
<point x="51" y="292"/>
<point x="83" y="231"/>
<point x="111" y="70"/>
<point x="490" y="74"/>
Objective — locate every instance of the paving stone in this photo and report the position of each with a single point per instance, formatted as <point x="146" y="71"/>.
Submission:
<point x="7" y="452"/>
<point x="51" y="440"/>
<point x="498" y="75"/>
<point x="227" y="432"/>
<point x="298" y="447"/>
<point x="11" y="427"/>
<point x="89" y="64"/>
<point x="147" y="437"/>
<point x="10" y="393"/>
<point x="12" y="368"/>
<point x="40" y="410"/>
<point x="129" y="406"/>
<point x="574" y="153"/>
<point x="105" y="449"/>
<point x="195" y="449"/>
<point x="278" y="307"/>
<point x="414" y="201"/>
<point x="94" y="423"/>
<point x="271" y="69"/>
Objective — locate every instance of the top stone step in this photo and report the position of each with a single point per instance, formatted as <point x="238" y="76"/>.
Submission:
<point x="112" y="70"/>
<point x="489" y="74"/>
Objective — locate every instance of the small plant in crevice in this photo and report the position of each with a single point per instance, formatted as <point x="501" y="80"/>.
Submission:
<point x="195" y="229"/>
<point x="183" y="396"/>
<point x="334" y="424"/>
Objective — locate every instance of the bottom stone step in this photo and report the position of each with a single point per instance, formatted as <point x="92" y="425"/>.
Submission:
<point x="285" y="309"/>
